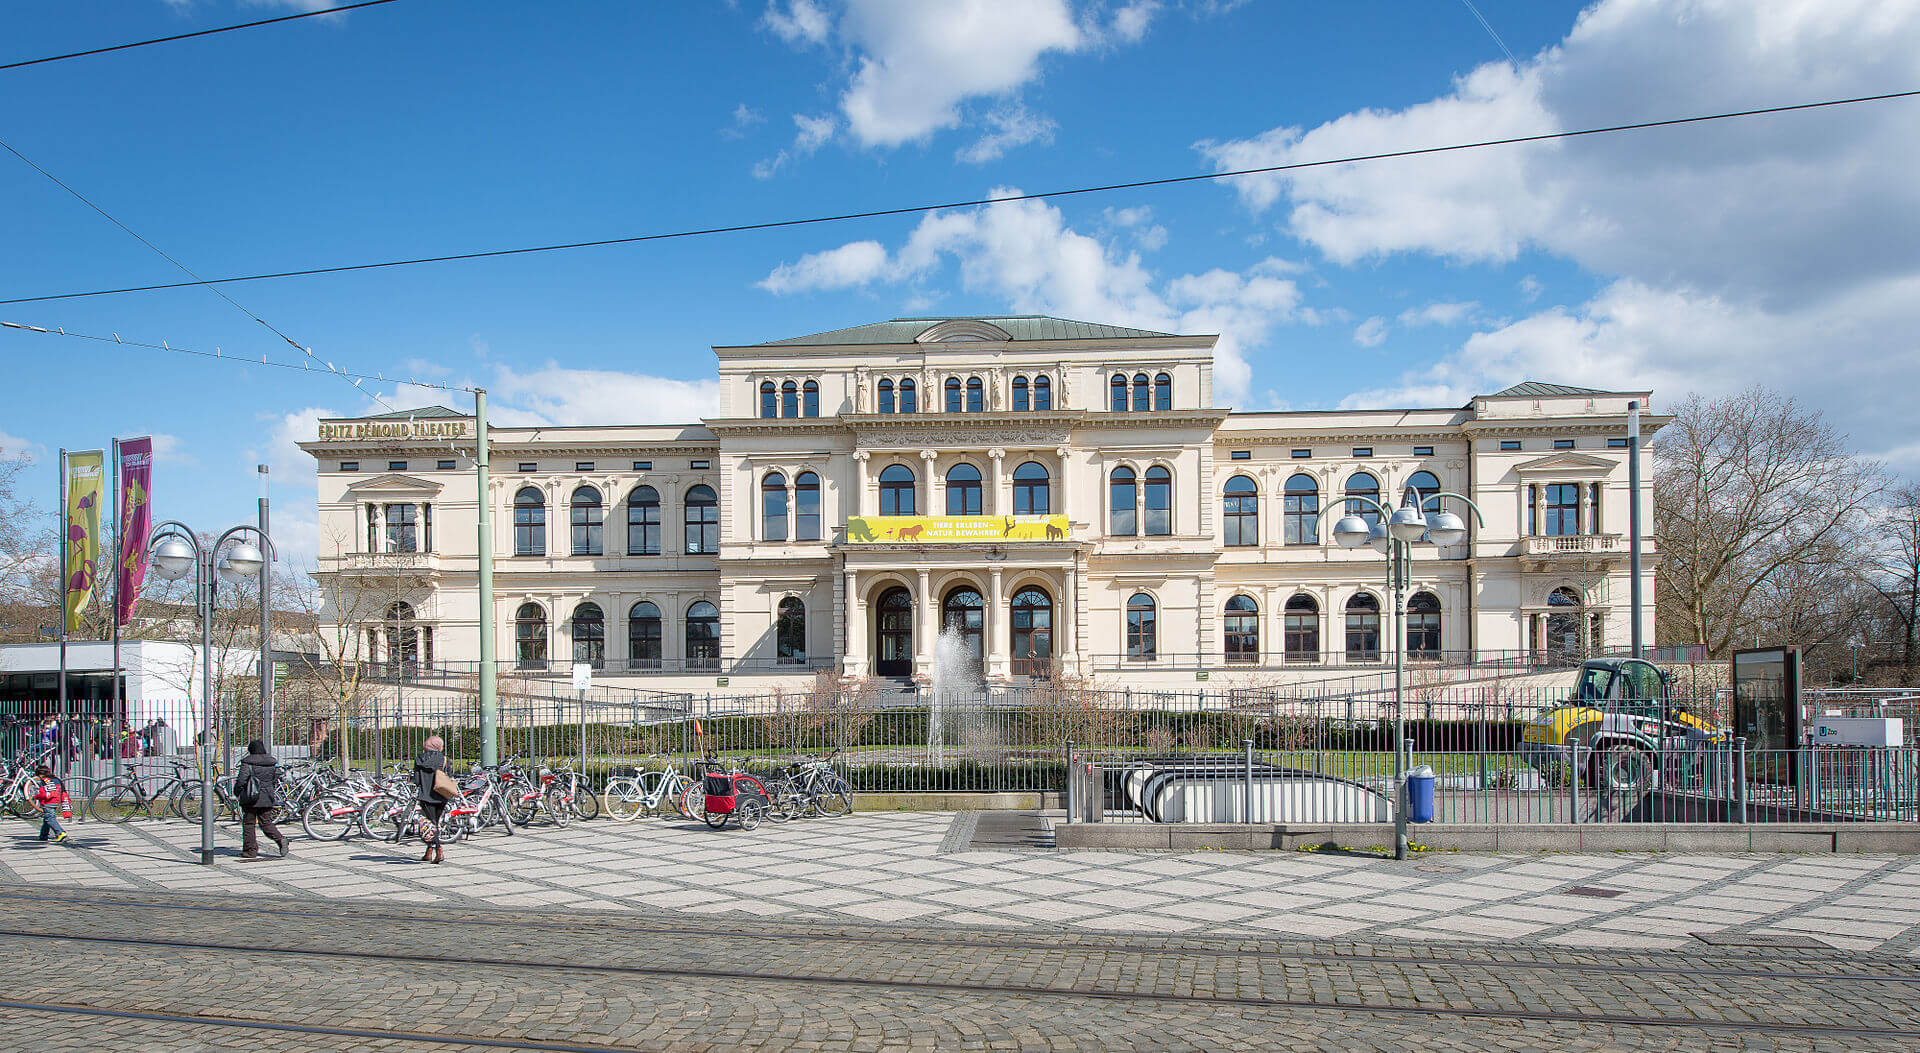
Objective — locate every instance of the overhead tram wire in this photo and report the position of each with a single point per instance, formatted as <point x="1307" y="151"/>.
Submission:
<point x="976" y="202"/>
<point x="223" y="356"/>
<point x="190" y="36"/>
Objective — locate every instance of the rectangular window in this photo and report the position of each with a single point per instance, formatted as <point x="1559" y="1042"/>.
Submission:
<point x="1509" y="445"/>
<point x="349" y="466"/>
<point x="1241" y="455"/>
<point x="1301" y="455"/>
<point x="396" y="466"/>
<point x="697" y="466"/>
<point x="1563" y="510"/>
<point x="529" y="466"/>
<point x="643" y="466"/>
<point x="1423" y="451"/>
<point x="1616" y="444"/>
<point x="583" y="466"/>
<point x="444" y="466"/>
<point x="1563" y="444"/>
<point x="1363" y="451"/>
<point x="401" y="528"/>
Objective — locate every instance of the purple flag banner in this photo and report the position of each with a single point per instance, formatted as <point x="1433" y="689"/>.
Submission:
<point x="136" y="522"/>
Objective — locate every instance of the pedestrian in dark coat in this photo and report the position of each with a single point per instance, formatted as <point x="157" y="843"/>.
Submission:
<point x="256" y="785"/>
<point x="432" y="758"/>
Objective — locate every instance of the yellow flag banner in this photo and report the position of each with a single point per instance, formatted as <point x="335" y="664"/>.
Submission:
<point x="84" y="475"/>
<point x="952" y="530"/>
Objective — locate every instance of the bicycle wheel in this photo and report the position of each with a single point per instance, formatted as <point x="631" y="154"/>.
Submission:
<point x="833" y="799"/>
<point x="559" y="810"/>
<point x="692" y="802"/>
<point x="114" y="801"/>
<point x="452" y="827"/>
<point x="626" y="799"/>
<point x="782" y="797"/>
<point x="715" y="819"/>
<point x="329" y="818"/>
<point x="749" y="812"/>
<point x="586" y="803"/>
<point x="381" y="818"/>
<point x="523" y="800"/>
<point x="500" y="812"/>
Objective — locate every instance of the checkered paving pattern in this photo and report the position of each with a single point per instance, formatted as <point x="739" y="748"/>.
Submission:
<point x="918" y="869"/>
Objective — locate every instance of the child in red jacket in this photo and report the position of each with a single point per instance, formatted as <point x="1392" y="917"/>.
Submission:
<point x="47" y="792"/>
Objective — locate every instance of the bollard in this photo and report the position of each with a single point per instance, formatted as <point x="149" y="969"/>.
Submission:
<point x="1740" y="774"/>
<point x="1246" y="784"/>
<point x="1073" y="784"/>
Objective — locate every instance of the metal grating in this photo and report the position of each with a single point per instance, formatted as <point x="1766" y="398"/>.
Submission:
<point x="1591" y="890"/>
<point x="1761" y="939"/>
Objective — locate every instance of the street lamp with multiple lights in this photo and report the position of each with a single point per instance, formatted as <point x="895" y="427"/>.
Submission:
<point x="1395" y="534"/>
<point x="176" y="553"/>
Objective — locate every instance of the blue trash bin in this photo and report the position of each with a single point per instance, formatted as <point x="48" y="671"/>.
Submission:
<point x="1420" y="795"/>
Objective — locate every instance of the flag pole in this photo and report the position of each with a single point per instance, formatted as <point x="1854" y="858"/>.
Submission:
<point x="61" y="711"/>
<point x="116" y="713"/>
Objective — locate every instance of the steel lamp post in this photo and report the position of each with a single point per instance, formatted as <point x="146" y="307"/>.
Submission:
<point x="176" y="553"/>
<point x="1395" y="535"/>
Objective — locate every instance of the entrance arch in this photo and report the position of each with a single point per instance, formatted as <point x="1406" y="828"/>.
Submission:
<point x="893" y="633"/>
<point x="964" y="612"/>
<point x="1032" y="622"/>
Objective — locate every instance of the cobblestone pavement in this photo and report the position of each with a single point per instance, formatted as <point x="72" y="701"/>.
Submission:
<point x="920" y="869"/>
<point x="396" y="976"/>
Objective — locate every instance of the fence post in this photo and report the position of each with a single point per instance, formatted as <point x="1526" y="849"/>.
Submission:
<point x="1073" y="784"/>
<point x="583" y="736"/>
<point x="1246" y="784"/>
<point x="1573" y="778"/>
<point x="379" y="747"/>
<point x="1740" y="774"/>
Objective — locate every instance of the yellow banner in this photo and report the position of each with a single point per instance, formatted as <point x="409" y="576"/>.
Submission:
<point x="950" y="530"/>
<point x="84" y="471"/>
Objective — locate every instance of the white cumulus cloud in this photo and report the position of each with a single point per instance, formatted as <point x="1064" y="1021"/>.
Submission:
<point x="1371" y="333"/>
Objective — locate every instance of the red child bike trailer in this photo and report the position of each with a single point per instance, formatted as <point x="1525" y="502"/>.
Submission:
<point x="725" y="800"/>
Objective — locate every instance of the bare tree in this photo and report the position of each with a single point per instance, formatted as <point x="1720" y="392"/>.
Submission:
<point x="1750" y="490"/>
<point x="1893" y="573"/>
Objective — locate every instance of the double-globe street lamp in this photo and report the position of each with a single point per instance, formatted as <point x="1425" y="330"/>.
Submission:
<point x="176" y="552"/>
<point x="1394" y="533"/>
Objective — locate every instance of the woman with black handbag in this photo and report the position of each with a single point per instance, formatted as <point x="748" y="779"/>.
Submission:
<point x="434" y="787"/>
<point x="256" y="785"/>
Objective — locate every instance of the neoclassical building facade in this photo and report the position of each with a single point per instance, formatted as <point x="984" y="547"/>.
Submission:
<point x="1062" y="496"/>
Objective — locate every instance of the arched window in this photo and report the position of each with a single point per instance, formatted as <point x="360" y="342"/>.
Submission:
<point x="790" y="632"/>
<point x="1363" y="628"/>
<point x="963" y="490"/>
<point x="403" y="639"/>
<point x="896" y="490"/>
<point x="1159" y="502"/>
<point x="588" y="522"/>
<point x="1240" y="508"/>
<point x="1563" y="623"/>
<point x="886" y="396"/>
<point x="906" y="397"/>
<point x="1162" y="391"/>
<point x="1019" y="394"/>
<point x="1420" y="486"/>
<point x="1360" y="484"/>
<point x="643" y="636"/>
<point x="1031" y="493"/>
<point x="964" y="612"/>
<point x="1241" y="633"/>
<point x="806" y="507"/>
<point x="953" y="394"/>
<point x="1423" y="626"/>
<point x="529" y="522"/>
<point x="1042" y="393"/>
<point x="1302" y="628"/>
<point x="976" y="395"/>
<point x="589" y="635"/>
<point x="1117" y="390"/>
<point x="1140" y="397"/>
<point x="789" y="399"/>
<point x="702" y="521"/>
<point x="530" y="637"/>
<point x="1032" y="621"/>
<point x="1122" y="519"/>
<point x="810" y="399"/>
<point x="893" y="633"/>
<point x="643" y="522"/>
<point x="1143" y="637"/>
<point x="1300" y="511"/>
<point x="703" y="636"/>
<point x="773" y="507"/>
<point x="769" y="400"/>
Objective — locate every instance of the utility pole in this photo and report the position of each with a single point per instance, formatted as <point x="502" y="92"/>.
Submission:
<point x="266" y="652"/>
<point x="489" y="685"/>
<point x="1633" y="522"/>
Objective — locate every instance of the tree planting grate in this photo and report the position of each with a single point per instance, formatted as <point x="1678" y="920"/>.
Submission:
<point x="1590" y="890"/>
<point x="1761" y="939"/>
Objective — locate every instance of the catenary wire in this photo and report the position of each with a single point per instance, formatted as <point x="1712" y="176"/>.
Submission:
<point x="973" y="202"/>
<point x="237" y="359"/>
<point x="190" y="36"/>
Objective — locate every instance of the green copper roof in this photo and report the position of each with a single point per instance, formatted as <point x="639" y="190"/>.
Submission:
<point x="1534" y="389"/>
<point x="414" y="414"/>
<point x="1017" y="327"/>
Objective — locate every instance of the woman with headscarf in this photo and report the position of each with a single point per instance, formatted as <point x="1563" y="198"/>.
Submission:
<point x="431" y="761"/>
<point x="256" y="785"/>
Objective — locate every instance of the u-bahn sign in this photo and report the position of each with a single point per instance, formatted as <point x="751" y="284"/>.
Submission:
<point x="952" y="530"/>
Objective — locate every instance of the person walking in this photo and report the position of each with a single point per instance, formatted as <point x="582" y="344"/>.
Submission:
<point x="256" y="785"/>
<point x="49" y="795"/>
<point x="429" y="768"/>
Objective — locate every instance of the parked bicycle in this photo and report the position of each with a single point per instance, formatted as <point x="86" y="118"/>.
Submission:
<point x="651" y="792"/>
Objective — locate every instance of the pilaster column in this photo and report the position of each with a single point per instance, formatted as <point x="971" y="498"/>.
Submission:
<point x="996" y="504"/>
<point x="854" y="615"/>
<point x="858" y="499"/>
<point x="999" y="627"/>
<point x="925" y="627"/>
<point x="1066" y="634"/>
<point x="1066" y="473"/>
<point x="926" y="472"/>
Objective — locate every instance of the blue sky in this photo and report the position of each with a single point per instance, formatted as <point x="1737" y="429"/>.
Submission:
<point x="1779" y="251"/>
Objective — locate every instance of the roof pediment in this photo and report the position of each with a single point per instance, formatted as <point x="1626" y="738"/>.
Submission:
<point x="395" y="483"/>
<point x="1565" y="462"/>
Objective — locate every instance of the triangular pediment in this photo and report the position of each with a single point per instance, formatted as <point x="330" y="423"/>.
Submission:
<point x="1565" y="462"/>
<point x="395" y="483"/>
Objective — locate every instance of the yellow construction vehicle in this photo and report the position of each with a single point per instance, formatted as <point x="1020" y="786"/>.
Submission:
<point x="1627" y="727"/>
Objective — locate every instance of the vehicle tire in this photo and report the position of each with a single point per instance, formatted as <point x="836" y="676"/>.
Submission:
<point x="329" y="818"/>
<point x="693" y="802"/>
<point x="113" y="801"/>
<point x="1624" y="769"/>
<point x="626" y="799"/>
<point x="715" y="819"/>
<point x="749" y="812"/>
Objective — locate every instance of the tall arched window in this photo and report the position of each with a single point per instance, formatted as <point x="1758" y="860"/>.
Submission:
<point x="1360" y="484"/>
<point x="702" y="521"/>
<point x="1031" y="492"/>
<point x="976" y="395"/>
<point x="1042" y="393"/>
<point x="953" y="394"/>
<point x="769" y="400"/>
<point x="1141" y="399"/>
<point x="1300" y="511"/>
<point x="789" y="399"/>
<point x="896" y="490"/>
<point x="810" y="399"/>
<point x="886" y="397"/>
<point x="806" y="507"/>
<point x="643" y="636"/>
<point x="530" y="637"/>
<point x="1420" y="486"/>
<point x="1241" y="633"/>
<point x="1363" y="628"/>
<point x="1240" y="509"/>
<point x="790" y="632"/>
<point x="589" y="635"/>
<point x="1032" y="622"/>
<point x="1020" y="402"/>
<point x="1423" y="626"/>
<point x="964" y="612"/>
<point x="1122" y="519"/>
<point x="1143" y="634"/>
<point x="1563" y="623"/>
<point x="1162" y="391"/>
<point x="907" y="397"/>
<point x="1302" y="628"/>
<point x="963" y="490"/>
<point x="643" y="522"/>
<point x="773" y="507"/>
<point x="1117" y="392"/>
<point x="588" y="522"/>
<point x="703" y="636"/>
<point x="1158" y="517"/>
<point x="529" y="522"/>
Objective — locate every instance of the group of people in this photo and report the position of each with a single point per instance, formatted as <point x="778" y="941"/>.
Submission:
<point x="256" y="784"/>
<point x="70" y="734"/>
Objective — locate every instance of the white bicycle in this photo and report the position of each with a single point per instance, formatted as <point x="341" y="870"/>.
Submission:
<point x="650" y="792"/>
